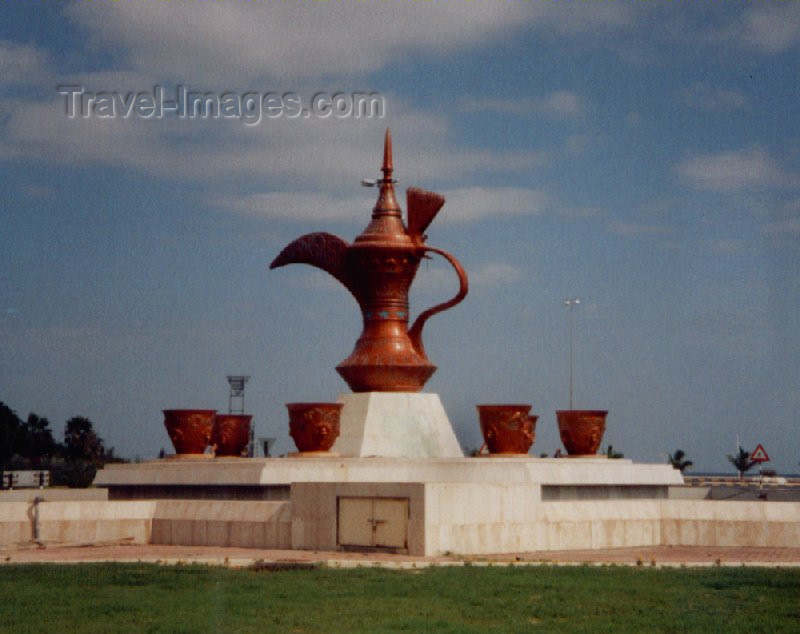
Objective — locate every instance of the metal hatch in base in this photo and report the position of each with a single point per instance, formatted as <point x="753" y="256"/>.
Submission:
<point x="372" y="523"/>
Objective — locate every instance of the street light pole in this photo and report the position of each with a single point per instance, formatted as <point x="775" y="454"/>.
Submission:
<point x="570" y="303"/>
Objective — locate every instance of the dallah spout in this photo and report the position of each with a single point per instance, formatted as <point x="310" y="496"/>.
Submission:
<point x="322" y="250"/>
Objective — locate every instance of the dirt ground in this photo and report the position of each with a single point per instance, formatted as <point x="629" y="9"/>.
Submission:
<point x="244" y="557"/>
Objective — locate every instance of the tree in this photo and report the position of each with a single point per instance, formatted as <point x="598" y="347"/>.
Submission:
<point x="742" y="461"/>
<point x="10" y="434"/>
<point x="83" y="451"/>
<point x="610" y="453"/>
<point x="81" y="442"/>
<point x="38" y="444"/>
<point x="677" y="460"/>
<point x="31" y="445"/>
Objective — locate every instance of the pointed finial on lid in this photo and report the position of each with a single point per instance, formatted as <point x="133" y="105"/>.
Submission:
<point x="386" y="205"/>
<point x="387" y="168"/>
<point x="386" y="226"/>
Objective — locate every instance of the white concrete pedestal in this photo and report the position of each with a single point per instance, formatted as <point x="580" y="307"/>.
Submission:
<point x="395" y="425"/>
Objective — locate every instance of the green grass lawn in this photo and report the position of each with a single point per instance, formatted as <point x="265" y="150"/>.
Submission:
<point x="151" y="598"/>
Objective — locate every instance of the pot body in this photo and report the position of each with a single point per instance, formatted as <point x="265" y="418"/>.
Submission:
<point x="507" y="429"/>
<point x="581" y="430"/>
<point x="189" y="429"/>
<point x="384" y="358"/>
<point x="314" y="427"/>
<point x="231" y="434"/>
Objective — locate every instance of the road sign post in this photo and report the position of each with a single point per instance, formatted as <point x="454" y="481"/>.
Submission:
<point x="759" y="454"/>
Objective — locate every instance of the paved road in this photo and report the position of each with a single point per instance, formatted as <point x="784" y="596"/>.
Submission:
<point x="243" y="557"/>
<point x="749" y="488"/>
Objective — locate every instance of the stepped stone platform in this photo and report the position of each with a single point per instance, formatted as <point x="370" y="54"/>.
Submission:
<point x="407" y="506"/>
<point x="272" y="478"/>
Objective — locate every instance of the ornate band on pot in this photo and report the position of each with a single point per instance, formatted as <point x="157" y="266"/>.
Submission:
<point x="231" y="434"/>
<point x="314" y="427"/>
<point x="507" y="429"/>
<point x="581" y="430"/>
<point x="189" y="430"/>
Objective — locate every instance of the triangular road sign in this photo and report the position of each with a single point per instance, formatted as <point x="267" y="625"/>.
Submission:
<point x="759" y="454"/>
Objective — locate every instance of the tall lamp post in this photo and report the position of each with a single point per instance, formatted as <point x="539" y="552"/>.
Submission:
<point x="237" y="383"/>
<point x="569" y="303"/>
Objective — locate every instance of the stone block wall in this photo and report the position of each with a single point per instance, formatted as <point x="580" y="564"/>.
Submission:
<point x="476" y="518"/>
<point x="468" y="518"/>
<point x="730" y="523"/>
<point x="245" y="524"/>
<point x="76" y="522"/>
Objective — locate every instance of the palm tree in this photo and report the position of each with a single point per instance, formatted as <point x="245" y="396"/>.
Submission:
<point x="742" y="461"/>
<point x="677" y="460"/>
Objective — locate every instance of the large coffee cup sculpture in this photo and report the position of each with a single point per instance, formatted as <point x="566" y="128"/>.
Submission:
<point x="581" y="430"/>
<point x="507" y="429"/>
<point x="189" y="430"/>
<point x="378" y="268"/>
<point x="314" y="427"/>
<point x="231" y="434"/>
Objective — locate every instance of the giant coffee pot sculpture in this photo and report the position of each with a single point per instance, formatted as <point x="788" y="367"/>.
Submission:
<point x="378" y="269"/>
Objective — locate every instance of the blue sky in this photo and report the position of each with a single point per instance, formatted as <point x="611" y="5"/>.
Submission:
<point x="642" y="156"/>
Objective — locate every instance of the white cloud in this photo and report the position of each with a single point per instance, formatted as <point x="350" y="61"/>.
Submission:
<point x="43" y="129"/>
<point x="121" y="81"/>
<point x="586" y="19"/>
<point x="442" y="279"/>
<point x="462" y="205"/>
<point x="707" y="97"/>
<point x="578" y="144"/>
<point x="764" y="27"/>
<point x="246" y="41"/>
<point x="635" y="230"/>
<point x="581" y="212"/>
<point x="39" y="192"/>
<point x="435" y="281"/>
<point x="788" y="226"/>
<point x="318" y="280"/>
<point x="284" y="153"/>
<point x="253" y="46"/>
<point x="22" y="64"/>
<point x="494" y="273"/>
<point x="772" y="27"/>
<point x="730" y="171"/>
<point x="560" y="104"/>
<point x="300" y="206"/>
<point x="242" y="42"/>
<point x="473" y="203"/>
<point x="725" y="246"/>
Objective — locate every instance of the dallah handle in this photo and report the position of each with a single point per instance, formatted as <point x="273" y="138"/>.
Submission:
<point x="415" y="334"/>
